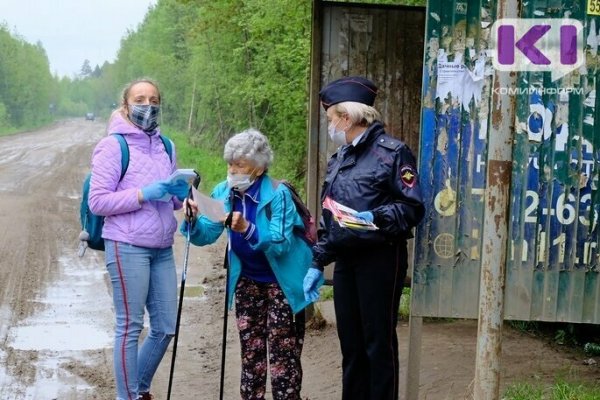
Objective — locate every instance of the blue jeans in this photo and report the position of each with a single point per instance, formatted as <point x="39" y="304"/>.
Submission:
<point x="141" y="278"/>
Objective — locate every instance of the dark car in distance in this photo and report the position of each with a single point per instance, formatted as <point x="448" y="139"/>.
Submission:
<point x="90" y="116"/>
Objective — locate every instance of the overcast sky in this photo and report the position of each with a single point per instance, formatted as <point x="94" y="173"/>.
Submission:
<point x="72" y="31"/>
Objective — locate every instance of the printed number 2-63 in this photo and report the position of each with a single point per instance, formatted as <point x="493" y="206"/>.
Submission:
<point x="564" y="212"/>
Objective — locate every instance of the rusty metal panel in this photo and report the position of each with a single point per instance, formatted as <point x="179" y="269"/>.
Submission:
<point x="553" y="254"/>
<point x="454" y="128"/>
<point x="553" y="270"/>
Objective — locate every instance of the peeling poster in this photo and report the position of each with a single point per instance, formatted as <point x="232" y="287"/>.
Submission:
<point x="449" y="78"/>
<point x="455" y="80"/>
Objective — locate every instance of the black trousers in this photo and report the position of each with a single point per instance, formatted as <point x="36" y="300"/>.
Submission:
<point x="367" y="287"/>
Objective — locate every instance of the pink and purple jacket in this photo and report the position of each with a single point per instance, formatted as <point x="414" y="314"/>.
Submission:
<point x="151" y="224"/>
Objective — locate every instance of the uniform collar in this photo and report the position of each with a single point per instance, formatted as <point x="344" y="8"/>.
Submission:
<point x="369" y="135"/>
<point x="357" y="139"/>
<point x="343" y="149"/>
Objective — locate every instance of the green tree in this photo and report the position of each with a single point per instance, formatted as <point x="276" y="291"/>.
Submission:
<point x="86" y="69"/>
<point x="25" y="81"/>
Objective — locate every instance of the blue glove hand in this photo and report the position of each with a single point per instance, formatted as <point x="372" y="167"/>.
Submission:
<point x="179" y="189"/>
<point x="366" y="215"/>
<point x="154" y="191"/>
<point x="312" y="282"/>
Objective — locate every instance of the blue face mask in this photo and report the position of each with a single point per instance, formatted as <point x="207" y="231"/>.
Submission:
<point x="145" y="117"/>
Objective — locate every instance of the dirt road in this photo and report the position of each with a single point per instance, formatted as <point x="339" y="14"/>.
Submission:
<point x="56" y="313"/>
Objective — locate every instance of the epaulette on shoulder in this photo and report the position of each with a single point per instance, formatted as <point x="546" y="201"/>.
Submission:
<point x="389" y="142"/>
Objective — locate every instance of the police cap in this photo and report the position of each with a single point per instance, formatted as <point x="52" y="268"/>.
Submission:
<point x="349" y="88"/>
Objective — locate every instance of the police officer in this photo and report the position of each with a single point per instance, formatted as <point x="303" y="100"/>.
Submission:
<point x="375" y="174"/>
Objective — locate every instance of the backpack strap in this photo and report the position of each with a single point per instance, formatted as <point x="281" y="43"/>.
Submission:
<point x="275" y="183"/>
<point x="125" y="151"/>
<point x="168" y="146"/>
<point x="124" y="154"/>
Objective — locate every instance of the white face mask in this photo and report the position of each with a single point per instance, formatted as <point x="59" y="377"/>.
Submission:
<point x="240" y="182"/>
<point x="337" y="137"/>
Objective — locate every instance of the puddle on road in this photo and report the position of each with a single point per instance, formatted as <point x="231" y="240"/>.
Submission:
<point x="74" y="316"/>
<point x="193" y="292"/>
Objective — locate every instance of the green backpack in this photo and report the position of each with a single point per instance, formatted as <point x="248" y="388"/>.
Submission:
<point x="92" y="224"/>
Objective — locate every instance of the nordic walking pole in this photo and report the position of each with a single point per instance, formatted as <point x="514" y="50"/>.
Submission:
<point x="190" y="223"/>
<point x="225" y="310"/>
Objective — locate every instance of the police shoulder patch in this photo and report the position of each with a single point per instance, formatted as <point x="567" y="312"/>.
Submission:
<point x="408" y="175"/>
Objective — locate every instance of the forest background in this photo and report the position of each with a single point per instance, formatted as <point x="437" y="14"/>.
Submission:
<point x="222" y="66"/>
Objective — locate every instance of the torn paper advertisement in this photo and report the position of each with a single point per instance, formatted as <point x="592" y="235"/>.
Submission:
<point x="456" y="80"/>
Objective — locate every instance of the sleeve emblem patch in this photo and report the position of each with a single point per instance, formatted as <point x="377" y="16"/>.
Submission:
<point x="408" y="176"/>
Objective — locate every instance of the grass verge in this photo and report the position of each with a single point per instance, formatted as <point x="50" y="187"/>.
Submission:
<point x="561" y="390"/>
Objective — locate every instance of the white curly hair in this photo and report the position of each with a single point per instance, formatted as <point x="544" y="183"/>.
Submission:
<point x="250" y="145"/>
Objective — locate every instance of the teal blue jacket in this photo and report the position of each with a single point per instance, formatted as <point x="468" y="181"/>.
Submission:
<point x="289" y="256"/>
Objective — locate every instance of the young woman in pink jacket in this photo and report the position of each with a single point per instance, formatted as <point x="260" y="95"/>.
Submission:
<point x="138" y="233"/>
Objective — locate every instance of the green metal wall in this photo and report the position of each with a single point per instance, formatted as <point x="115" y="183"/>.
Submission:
<point x="553" y="253"/>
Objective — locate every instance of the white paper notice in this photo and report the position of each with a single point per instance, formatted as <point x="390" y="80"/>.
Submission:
<point x="473" y="83"/>
<point x="456" y="80"/>
<point x="449" y="79"/>
<point x="211" y="208"/>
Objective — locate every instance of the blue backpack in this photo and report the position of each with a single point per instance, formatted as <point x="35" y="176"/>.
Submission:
<point x="91" y="224"/>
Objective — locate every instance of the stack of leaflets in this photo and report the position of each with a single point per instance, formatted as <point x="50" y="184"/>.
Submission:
<point x="182" y="174"/>
<point x="345" y="216"/>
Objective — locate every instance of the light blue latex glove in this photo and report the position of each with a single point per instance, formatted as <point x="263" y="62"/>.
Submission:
<point x="366" y="215"/>
<point x="179" y="189"/>
<point x="312" y="282"/>
<point x="154" y="191"/>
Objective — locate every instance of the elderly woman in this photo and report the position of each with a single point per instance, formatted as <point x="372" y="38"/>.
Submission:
<point x="267" y="264"/>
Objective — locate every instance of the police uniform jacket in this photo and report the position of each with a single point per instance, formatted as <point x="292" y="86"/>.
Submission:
<point x="378" y="174"/>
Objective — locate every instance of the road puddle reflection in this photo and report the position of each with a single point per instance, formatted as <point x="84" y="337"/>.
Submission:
<point x="74" y="316"/>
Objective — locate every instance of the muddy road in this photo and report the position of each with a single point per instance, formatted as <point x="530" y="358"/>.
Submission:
<point x="56" y="313"/>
